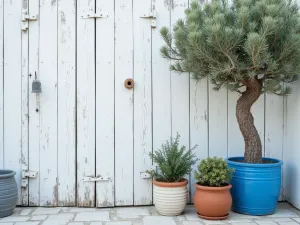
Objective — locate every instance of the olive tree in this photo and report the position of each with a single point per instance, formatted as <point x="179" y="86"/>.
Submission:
<point x="248" y="46"/>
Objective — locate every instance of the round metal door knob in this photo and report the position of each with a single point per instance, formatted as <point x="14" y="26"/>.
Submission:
<point x="129" y="83"/>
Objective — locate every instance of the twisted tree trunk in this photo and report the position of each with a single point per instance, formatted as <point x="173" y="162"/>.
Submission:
<point x="253" y="147"/>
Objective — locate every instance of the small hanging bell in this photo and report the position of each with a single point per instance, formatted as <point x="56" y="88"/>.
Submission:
<point x="36" y="86"/>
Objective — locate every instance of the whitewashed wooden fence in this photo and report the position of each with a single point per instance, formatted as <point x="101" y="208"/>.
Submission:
<point x="86" y="135"/>
<point x="291" y="154"/>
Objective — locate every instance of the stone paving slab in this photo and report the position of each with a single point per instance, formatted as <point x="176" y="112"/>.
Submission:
<point x="92" y="216"/>
<point x="46" y="211"/>
<point x="131" y="213"/>
<point x="285" y="215"/>
<point x="39" y="218"/>
<point x="27" y="223"/>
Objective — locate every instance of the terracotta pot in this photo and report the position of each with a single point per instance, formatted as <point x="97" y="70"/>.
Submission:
<point x="213" y="203"/>
<point x="170" y="199"/>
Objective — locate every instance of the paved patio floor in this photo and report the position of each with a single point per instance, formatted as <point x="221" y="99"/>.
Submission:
<point x="285" y="215"/>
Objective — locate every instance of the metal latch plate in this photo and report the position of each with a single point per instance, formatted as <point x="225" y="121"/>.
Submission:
<point x="145" y="175"/>
<point x="24" y="183"/>
<point x="152" y="16"/>
<point x="29" y="174"/>
<point x="26" y="17"/>
<point x="95" y="15"/>
<point x="95" y="179"/>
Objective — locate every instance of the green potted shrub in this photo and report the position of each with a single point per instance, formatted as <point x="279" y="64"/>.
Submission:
<point x="250" y="47"/>
<point x="212" y="198"/>
<point x="173" y="163"/>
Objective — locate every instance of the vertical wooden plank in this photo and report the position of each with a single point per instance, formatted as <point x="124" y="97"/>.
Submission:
<point x="105" y="93"/>
<point x="25" y="115"/>
<point x="236" y="145"/>
<point x="180" y="89"/>
<point x="13" y="88"/>
<point x="274" y="124"/>
<point x="1" y="85"/>
<point x="218" y="116"/>
<point x="48" y="101"/>
<point x="198" y="124"/>
<point x="161" y="80"/>
<point x="123" y="103"/>
<point x="34" y="104"/>
<point x="287" y="146"/>
<point x="142" y="101"/>
<point x="85" y="102"/>
<point x="66" y="103"/>
<point x="291" y="153"/>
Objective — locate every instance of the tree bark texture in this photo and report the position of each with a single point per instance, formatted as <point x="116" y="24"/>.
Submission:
<point x="253" y="147"/>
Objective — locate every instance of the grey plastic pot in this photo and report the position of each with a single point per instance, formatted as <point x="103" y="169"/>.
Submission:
<point x="8" y="192"/>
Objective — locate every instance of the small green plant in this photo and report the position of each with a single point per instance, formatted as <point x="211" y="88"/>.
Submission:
<point x="213" y="172"/>
<point x="173" y="161"/>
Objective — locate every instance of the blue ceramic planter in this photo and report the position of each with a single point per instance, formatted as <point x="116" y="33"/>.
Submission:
<point x="255" y="187"/>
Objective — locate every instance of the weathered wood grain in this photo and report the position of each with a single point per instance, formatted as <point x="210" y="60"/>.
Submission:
<point x="1" y="85"/>
<point x="13" y="89"/>
<point x="218" y="115"/>
<point x="48" y="103"/>
<point x="274" y="128"/>
<point x="34" y="106"/>
<point x="142" y="101"/>
<point x="198" y="124"/>
<point x="25" y="115"/>
<point x="85" y="102"/>
<point x="161" y="80"/>
<point x="105" y="104"/>
<point x="66" y="114"/>
<point x="291" y="154"/>
<point x="123" y="103"/>
<point x="180" y="90"/>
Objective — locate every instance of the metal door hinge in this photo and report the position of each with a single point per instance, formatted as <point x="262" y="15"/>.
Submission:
<point x="25" y="19"/>
<point x="152" y="16"/>
<point x="27" y="174"/>
<point x="95" y="15"/>
<point x="96" y="179"/>
<point x="24" y="183"/>
<point x="145" y="175"/>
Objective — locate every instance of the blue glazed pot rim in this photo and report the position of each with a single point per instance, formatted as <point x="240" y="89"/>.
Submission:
<point x="276" y="163"/>
<point x="7" y="173"/>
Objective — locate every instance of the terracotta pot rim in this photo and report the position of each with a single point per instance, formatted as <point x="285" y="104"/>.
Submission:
<point x="181" y="183"/>
<point x="201" y="187"/>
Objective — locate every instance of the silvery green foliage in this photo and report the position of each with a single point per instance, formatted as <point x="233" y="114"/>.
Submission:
<point x="250" y="39"/>
<point x="213" y="172"/>
<point x="173" y="161"/>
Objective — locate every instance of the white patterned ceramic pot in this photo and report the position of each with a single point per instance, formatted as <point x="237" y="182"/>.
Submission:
<point x="170" y="199"/>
